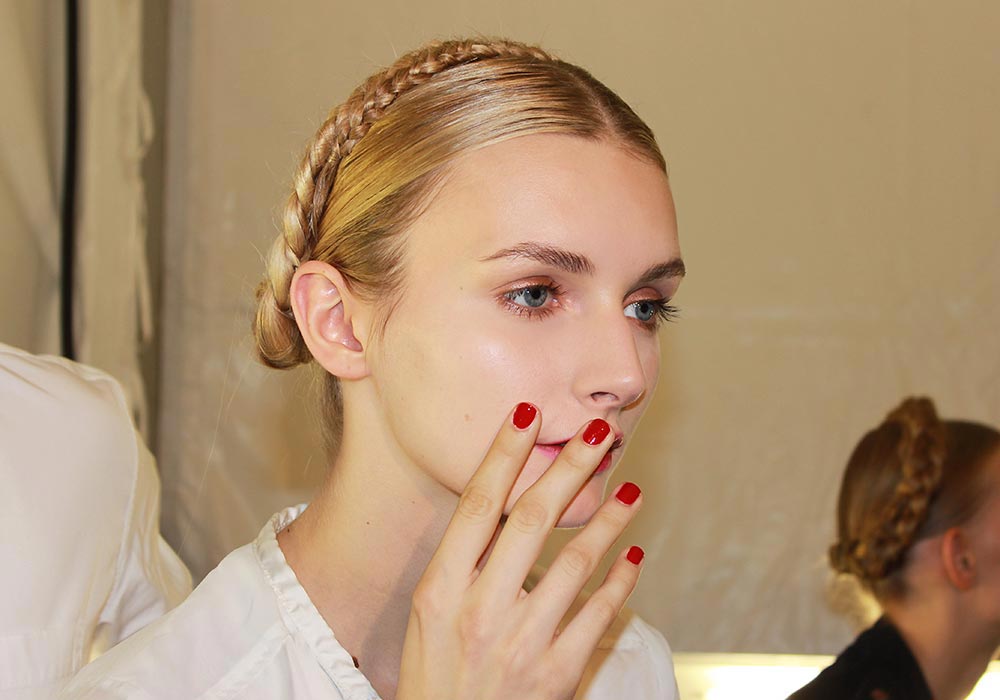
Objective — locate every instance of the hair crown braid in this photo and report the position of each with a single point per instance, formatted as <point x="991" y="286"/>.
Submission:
<point x="278" y="341"/>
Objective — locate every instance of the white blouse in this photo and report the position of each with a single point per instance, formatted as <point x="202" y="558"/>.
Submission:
<point x="84" y="563"/>
<point x="250" y="631"/>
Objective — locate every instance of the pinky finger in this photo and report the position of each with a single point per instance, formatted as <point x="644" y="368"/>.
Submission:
<point x="583" y="633"/>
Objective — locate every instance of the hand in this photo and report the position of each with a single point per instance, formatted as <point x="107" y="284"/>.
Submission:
<point x="474" y="632"/>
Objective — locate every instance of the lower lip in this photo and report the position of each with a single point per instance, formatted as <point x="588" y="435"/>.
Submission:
<point x="554" y="450"/>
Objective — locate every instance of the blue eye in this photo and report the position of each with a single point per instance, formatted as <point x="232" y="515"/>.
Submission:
<point x="641" y="310"/>
<point x="531" y="297"/>
<point x="651" y="312"/>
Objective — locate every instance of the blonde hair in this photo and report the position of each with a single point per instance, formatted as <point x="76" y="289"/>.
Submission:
<point x="375" y="161"/>
<point x="913" y="477"/>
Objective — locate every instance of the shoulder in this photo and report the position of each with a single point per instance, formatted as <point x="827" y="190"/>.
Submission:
<point x="227" y="630"/>
<point x="57" y="384"/>
<point x="876" y="666"/>
<point x="70" y="422"/>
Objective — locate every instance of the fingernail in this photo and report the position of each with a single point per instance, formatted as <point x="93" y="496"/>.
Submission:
<point x="635" y="555"/>
<point x="596" y="431"/>
<point x="628" y="493"/>
<point x="524" y="415"/>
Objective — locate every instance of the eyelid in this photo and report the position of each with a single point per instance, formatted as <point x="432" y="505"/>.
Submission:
<point x="647" y="293"/>
<point x="525" y="283"/>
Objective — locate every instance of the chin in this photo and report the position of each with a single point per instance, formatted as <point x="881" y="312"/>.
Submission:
<point x="582" y="508"/>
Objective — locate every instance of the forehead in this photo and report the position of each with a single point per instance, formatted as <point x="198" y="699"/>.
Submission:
<point x="587" y="196"/>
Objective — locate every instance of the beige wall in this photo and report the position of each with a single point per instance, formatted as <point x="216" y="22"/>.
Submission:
<point x="837" y="173"/>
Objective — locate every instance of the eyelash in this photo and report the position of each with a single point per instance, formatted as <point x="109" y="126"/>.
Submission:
<point x="663" y="311"/>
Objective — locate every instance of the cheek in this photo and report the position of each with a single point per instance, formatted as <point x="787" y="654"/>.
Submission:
<point x="446" y="386"/>
<point x="649" y="358"/>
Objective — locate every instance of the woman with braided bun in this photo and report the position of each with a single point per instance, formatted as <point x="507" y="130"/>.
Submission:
<point x="477" y="253"/>
<point x="918" y="525"/>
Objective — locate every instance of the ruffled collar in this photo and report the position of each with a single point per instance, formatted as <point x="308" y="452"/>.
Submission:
<point x="300" y="612"/>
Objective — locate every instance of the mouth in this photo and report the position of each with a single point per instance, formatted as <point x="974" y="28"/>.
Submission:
<point x="552" y="450"/>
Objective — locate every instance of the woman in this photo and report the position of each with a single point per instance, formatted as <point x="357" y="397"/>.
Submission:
<point x="919" y="526"/>
<point x="481" y="236"/>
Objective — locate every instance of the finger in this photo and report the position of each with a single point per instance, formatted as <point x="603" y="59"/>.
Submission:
<point x="480" y="506"/>
<point x="537" y="510"/>
<point x="578" y="560"/>
<point x="574" y="647"/>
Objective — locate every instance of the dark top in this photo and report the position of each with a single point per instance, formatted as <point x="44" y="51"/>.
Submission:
<point x="877" y="666"/>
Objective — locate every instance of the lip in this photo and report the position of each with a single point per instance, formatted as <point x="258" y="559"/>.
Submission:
<point x="552" y="450"/>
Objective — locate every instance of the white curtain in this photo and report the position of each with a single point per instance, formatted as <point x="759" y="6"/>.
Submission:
<point x="113" y="306"/>
<point x="112" y="310"/>
<point x="32" y="59"/>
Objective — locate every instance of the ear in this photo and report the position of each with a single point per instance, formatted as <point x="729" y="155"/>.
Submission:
<point x="958" y="558"/>
<point x="332" y="321"/>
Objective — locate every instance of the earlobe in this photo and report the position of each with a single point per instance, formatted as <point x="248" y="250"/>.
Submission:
<point x="328" y="317"/>
<point x="958" y="558"/>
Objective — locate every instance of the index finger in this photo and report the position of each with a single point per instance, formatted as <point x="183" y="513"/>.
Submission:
<point x="481" y="504"/>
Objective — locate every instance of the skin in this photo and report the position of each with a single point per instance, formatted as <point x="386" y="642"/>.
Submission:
<point x="422" y="404"/>
<point x="950" y="613"/>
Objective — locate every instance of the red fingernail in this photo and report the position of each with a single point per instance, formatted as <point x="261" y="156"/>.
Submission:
<point x="635" y="555"/>
<point x="524" y="415"/>
<point x="596" y="431"/>
<point x="628" y="493"/>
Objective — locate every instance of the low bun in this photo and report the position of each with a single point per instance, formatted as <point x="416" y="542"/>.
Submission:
<point x="279" y="342"/>
<point x="890" y="481"/>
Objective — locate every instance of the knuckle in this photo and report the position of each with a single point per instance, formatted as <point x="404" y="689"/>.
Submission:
<point x="610" y="519"/>
<point x="577" y="561"/>
<point x="581" y="459"/>
<point x="473" y="628"/>
<point x="509" y="447"/>
<point x="603" y="610"/>
<point x="426" y="600"/>
<point x="528" y="516"/>
<point x="475" y="502"/>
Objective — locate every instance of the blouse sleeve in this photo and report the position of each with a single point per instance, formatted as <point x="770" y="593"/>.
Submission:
<point x="150" y="578"/>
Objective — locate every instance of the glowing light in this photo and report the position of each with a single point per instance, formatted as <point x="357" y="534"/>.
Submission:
<point x="770" y="676"/>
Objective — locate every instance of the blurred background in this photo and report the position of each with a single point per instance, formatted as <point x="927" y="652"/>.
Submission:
<point x="836" y="167"/>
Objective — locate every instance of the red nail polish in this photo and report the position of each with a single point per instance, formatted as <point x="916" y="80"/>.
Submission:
<point x="524" y="415"/>
<point x="635" y="555"/>
<point x="628" y="493"/>
<point x="596" y="431"/>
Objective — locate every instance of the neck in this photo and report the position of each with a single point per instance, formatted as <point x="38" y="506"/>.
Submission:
<point x="952" y="650"/>
<point x="363" y="544"/>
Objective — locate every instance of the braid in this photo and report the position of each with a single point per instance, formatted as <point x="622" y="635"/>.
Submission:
<point x="279" y="343"/>
<point x="920" y="439"/>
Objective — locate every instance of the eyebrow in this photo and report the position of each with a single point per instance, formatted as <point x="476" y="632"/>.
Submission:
<point x="548" y="255"/>
<point x="667" y="270"/>
<point x="578" y="264"/>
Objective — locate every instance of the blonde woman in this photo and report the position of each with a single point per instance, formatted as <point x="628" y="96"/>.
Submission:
<point x="478" y="250"/>
<point x="918" y="525"/>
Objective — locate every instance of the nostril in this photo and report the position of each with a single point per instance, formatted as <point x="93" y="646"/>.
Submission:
<point x="623" y="399"/>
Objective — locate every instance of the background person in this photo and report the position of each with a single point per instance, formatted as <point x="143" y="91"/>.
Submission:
<point x="918" y="524"/>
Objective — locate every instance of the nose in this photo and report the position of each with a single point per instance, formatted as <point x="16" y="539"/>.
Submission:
<point x="611" y="372"/>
